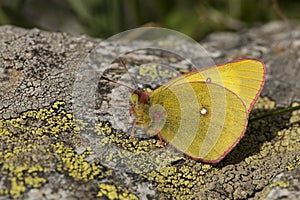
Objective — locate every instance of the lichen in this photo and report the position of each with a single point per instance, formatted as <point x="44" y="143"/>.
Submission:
<point x="178" y="181"/>
<point x="285" y="181"/>
<point x="294" y="163"/>
<point x="38" y="142"/>
<point x="264" y="152"/>
<point x="113" y="192"/>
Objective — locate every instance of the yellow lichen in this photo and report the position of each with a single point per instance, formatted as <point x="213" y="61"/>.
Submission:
<point x="113" y="192"/>
<point x="75" y="165"/>
<point x="176" y="182"/>
<point x="294" y="163"/>
<point x="42" y="141"/>
<point x="295" y="115"/>
<point x="32" y="147"/>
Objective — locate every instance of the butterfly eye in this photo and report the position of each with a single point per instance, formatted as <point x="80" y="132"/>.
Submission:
<point x="149" y="90"/>
<point x="134" y="98"/>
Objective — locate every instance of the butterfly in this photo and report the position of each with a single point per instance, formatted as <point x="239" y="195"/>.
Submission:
<point x="203" y="113"/>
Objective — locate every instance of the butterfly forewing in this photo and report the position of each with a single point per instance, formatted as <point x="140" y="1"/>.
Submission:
<point x="243" y="77"/>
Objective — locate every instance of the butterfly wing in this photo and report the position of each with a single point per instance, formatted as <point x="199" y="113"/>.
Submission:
<point x="243" y="77"/>
<point x="203" y="120"/>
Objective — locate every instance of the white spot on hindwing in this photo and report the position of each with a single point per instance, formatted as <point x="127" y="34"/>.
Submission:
<point x="203" y="111"/>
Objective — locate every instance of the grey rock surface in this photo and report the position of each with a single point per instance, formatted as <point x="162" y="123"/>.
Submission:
<point x="39" y="68"/>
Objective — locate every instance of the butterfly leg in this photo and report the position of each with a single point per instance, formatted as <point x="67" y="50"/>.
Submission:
<point x="157" y="132"/>
<point x="160" y="139"/>
<point x="132" y="129"/>
<point x="131" y="132"/>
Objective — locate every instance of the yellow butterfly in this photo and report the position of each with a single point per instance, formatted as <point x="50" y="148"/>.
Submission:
<point x="203" y="113"/>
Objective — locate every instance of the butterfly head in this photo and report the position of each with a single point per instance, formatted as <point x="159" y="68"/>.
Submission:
<point x="140" y="96"/>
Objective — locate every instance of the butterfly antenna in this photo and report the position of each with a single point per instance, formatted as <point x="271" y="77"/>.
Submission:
<point x="108" y="79"/>
<point x="125" y="67"/>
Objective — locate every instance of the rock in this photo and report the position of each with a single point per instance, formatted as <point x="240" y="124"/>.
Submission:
<point x="61" y="126"/>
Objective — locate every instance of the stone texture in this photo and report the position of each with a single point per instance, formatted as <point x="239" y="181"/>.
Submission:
<point x="46" y="154"/>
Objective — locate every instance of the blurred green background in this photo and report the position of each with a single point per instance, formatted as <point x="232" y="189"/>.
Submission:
<point x="104" y="18"/>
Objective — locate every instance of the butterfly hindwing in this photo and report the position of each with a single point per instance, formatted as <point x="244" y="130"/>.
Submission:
<point x="204" y="120"/>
